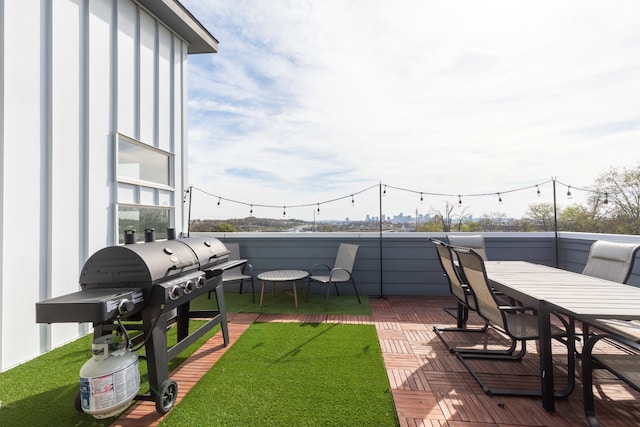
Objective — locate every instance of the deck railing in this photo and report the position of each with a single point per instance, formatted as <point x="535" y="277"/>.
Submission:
<point x="405" y="263"/>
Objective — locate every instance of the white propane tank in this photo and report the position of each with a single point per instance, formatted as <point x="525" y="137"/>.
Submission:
<point x="109" y="380"/>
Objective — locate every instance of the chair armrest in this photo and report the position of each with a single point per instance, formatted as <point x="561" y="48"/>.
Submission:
<point x="591" y="342"/>
<point x="249" y="267"/>
<point x="514" y="308"/>
<point x="319" y="266"/>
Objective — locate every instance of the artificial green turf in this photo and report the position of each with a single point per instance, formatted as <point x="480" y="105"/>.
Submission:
<point x="293" y="374"/>
<point x="42" y="392"/>
<point x="283" y="303"/>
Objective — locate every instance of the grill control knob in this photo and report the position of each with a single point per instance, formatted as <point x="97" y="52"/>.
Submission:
<point x="175" y="292"/>
<point x="125" y="306"/>
<point x="201" y="282"/>
<point x="189" y="286"/>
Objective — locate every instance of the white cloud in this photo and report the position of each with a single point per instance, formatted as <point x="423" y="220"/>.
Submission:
<point x="309" y="101"/>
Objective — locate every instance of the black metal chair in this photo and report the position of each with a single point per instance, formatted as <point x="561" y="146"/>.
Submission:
<point x="239" y="274"/>
<point x="473" y="241"/>
<point x="516" y="322"/>
<point x="464" y="297"/>
<point x="612" y="261"/>
<point x="624" y="363"/>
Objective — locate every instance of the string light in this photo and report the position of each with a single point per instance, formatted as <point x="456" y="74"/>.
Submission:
<point x="189" y="192"/>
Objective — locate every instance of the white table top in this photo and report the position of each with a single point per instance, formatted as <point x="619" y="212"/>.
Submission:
<point x="573" y="293"/>
<point x="282" y="275"/>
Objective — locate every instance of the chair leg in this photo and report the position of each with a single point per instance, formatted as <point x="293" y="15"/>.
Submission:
<point x="452" y="349"/>
<point x="253" y="292"/>
<point x="461" y="313"/>
<point x="241" y="283"/>
<point x="326" y="301"/>
<point x="488" y="390"/>
<point x="356" y="291"/>
<point x="564" y="392"/>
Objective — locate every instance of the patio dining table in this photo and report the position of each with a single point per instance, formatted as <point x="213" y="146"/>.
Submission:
<point x="548" y="289"/>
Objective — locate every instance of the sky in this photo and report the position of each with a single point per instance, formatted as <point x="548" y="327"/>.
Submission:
<point x="307" y="103"/>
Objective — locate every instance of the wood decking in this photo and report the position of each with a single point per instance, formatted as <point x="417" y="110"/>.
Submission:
<point x="430" y="386"/>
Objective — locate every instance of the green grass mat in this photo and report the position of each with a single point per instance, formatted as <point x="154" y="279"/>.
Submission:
<point x="288" y="374"/>
<point x="42" y="391"/>
<point x="283" y="303"/>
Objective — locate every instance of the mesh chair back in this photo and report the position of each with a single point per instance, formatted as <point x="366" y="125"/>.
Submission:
<point x="611" y="260"/>
<point x="234" y="254"/>
<point x="346" y="258"/>
<point x="446" y="261"/>
<point x="473" y="241"/>
<point x="472" y="266"/>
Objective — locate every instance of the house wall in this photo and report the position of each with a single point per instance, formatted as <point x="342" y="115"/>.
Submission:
<point x="74" y="74"/>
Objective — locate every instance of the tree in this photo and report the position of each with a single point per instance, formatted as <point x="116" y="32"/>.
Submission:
<point x="492" y="221"/>
<point x="542" y="215"/>
<point x="446" y="217"/>
<point x="617" y="198"/>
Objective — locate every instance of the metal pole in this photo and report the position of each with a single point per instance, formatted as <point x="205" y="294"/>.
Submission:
<point x="190" y="191"/>
<point x="555" y="223"/>
<point x="381" y="295"/>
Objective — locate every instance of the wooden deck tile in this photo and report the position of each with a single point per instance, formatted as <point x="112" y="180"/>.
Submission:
<point x="429" y="385"/>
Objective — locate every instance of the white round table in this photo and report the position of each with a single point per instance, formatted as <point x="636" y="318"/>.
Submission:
<point x="277" y="276"/>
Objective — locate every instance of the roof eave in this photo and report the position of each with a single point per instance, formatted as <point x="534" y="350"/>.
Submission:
<point x="175" y="16"/>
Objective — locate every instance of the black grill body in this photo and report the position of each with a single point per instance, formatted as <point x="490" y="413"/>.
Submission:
<point x="149" y="285"/>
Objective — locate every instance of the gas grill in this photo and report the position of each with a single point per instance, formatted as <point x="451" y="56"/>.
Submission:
<point x="149" y="285"/>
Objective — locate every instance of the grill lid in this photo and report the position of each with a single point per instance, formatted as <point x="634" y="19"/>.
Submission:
<point x="143" y="264"/>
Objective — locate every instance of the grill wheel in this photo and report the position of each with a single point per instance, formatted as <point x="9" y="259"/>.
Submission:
<point x="167" y="394"/>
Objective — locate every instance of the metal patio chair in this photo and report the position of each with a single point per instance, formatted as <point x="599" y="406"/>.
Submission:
<point x="340" y="273"/>
<point x="517" y="322"/>
<point x="623" y="364"/>
<point x="612" y="261"/>
<point x="473" y="241"/>
<point x="465" y="299"/>
<point x="239" y="274"/>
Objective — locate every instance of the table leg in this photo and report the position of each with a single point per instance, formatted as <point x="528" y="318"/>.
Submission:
<point x="295" y="293"/>
<point x="261" y="294"/>
<point x="546" y="362"/>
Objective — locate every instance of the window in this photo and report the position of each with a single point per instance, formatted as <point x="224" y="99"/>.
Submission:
<point x="139" y="162"/>
<point x="141" y="218"/>
<point x="146" y="197"/>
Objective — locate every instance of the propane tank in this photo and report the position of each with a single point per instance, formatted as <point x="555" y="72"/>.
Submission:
<point x="110" y="379"/>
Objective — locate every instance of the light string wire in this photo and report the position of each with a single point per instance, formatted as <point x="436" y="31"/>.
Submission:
<point x="253" y="205"/>
<point x="387" y="186"/>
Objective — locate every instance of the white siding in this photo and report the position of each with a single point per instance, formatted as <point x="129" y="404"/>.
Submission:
<point x="74" y="74"/>
<point x="127" y="77"/>
<point x="24" y="198"/>
<point x="64" y="159"/>
<point x="147" y="79"/>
